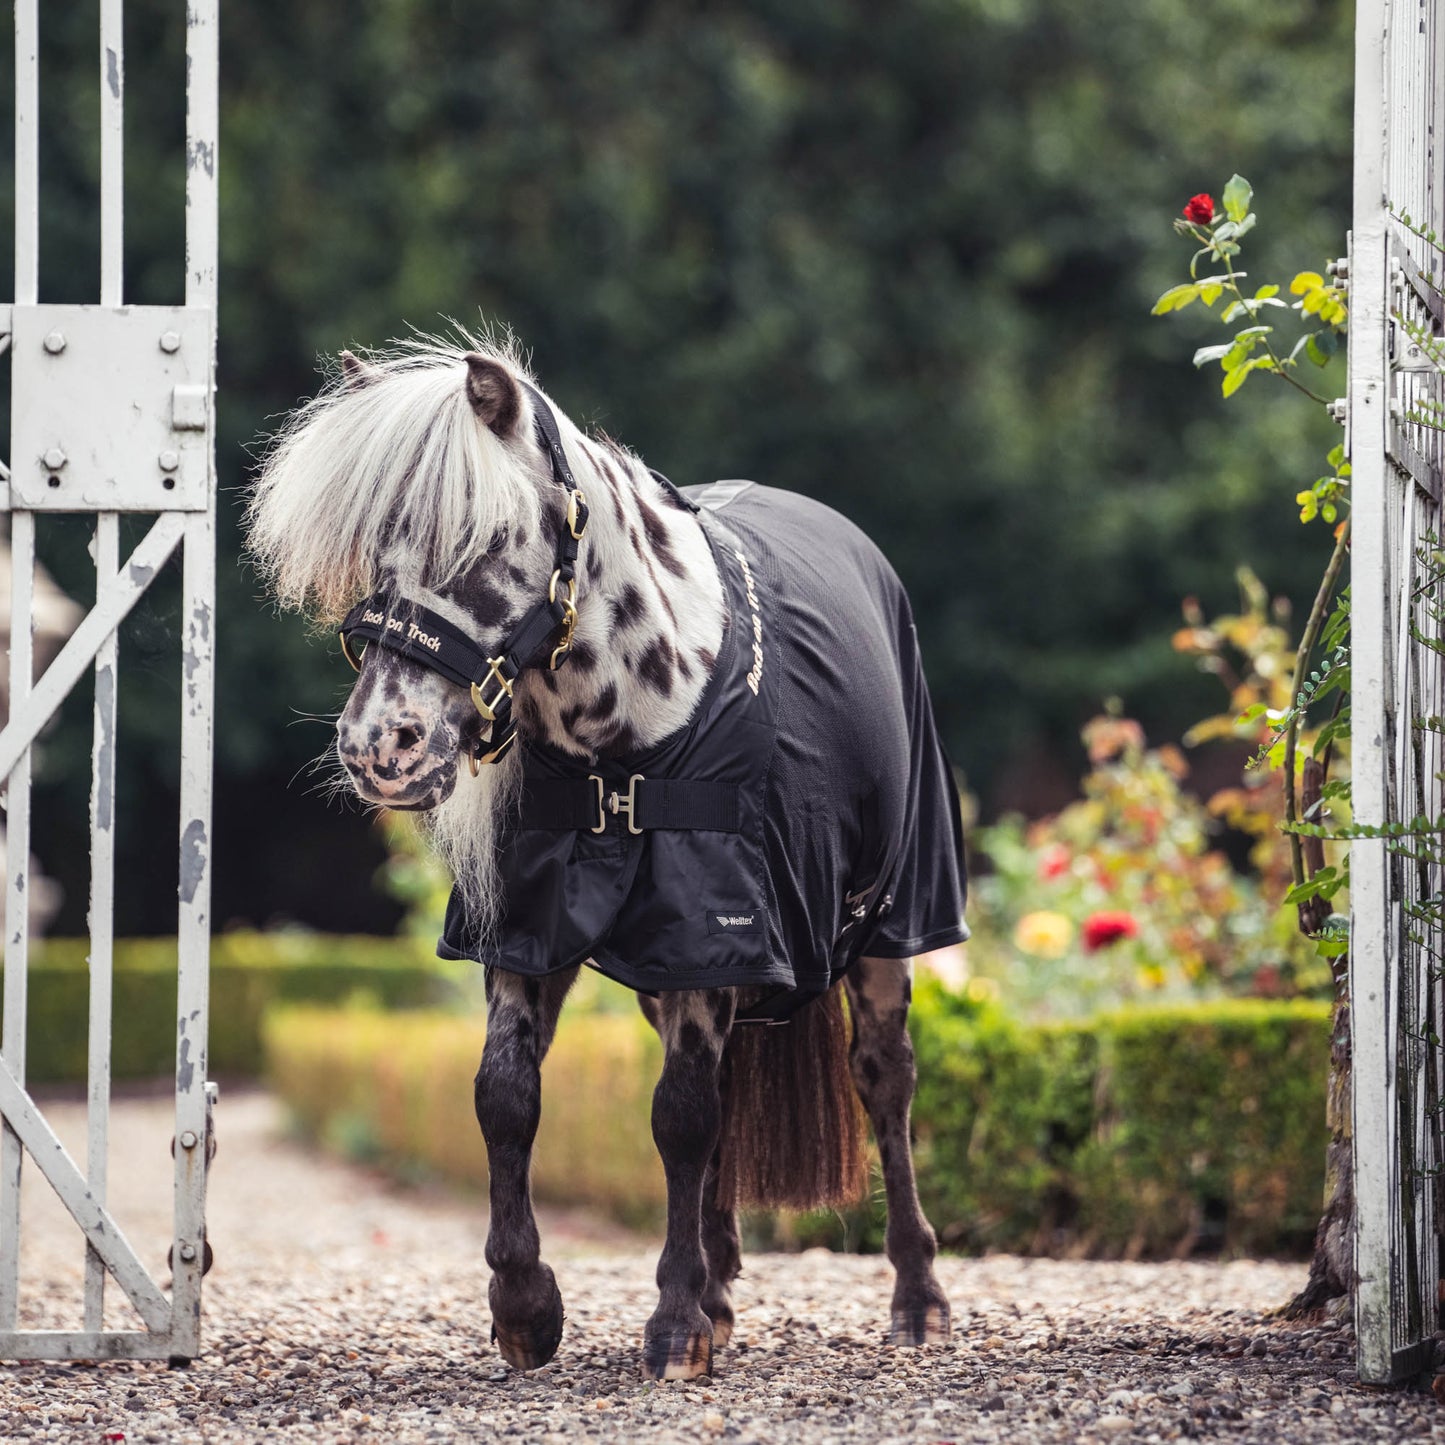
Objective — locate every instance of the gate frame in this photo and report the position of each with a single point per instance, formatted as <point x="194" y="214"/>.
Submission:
<point x="172" y="1326"/>
<point x="1395" y="984"/>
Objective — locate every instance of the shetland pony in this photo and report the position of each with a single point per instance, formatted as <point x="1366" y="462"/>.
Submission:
<point x="424" y="478"/>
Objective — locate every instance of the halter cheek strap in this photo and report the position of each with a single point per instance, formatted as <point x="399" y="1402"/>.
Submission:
<point x="425" y="636"/>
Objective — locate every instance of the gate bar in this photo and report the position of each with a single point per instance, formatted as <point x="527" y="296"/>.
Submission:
<point x="1375" y="1131"/>
<point x="193" y="1130"/>
<point x="22" y="556"/>
<point x="103" y="747"/>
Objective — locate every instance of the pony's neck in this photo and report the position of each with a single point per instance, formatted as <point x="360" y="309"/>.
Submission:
<point x="650" y="617"/>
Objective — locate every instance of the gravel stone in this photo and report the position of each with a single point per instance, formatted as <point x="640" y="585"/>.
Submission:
<point x="344" y="1310"/>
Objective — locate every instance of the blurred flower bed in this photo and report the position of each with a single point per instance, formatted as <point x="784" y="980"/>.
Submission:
<point x="1127" y="896"/>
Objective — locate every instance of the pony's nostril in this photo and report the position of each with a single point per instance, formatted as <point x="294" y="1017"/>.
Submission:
<point x="406" y="739"/>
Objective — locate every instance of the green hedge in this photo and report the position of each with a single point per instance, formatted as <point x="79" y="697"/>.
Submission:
<point x="250" y="972"/>
<point x="1138" y="1132"/>
<point x="1134" y="1133"/>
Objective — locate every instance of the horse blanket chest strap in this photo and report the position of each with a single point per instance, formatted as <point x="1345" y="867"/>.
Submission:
<point x="426" y="637"/>
<point x="567" y="805"/>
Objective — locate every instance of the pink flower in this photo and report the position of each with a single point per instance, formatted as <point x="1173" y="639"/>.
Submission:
<point x="1054" y="861"/>
<point x="1102" y="929"/>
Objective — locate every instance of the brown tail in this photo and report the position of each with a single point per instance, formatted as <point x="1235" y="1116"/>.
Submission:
<point x="793" y="1130"/>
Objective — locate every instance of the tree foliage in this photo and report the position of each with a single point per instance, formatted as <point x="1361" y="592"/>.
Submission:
<point x="897" y="258"/>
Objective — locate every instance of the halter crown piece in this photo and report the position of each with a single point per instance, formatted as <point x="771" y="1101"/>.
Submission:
<point x="415" y="631"/>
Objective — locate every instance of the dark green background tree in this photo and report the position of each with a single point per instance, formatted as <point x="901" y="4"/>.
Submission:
<point x="900" y="258"/>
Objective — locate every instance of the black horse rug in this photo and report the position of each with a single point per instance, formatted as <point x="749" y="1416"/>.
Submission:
<point x="805" y="817"/>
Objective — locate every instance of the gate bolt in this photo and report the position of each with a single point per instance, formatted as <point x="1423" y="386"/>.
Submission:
<point x="55" y="343"/>
<point x="188" y="1140"/>
<point x="54" y="459"/>
<point x="169" y="461"/>
<point x="170" y="341"/>
<point x="188" y="1252"/>
<point x="1339" y="410"/>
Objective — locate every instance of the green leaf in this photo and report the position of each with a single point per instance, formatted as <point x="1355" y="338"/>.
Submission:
<point x="1245" y="226"/>
<point x="1233" y="380"/>
<point x="1253" y="711"/>
<point x="1237" y="195"/>
<point x="1210" y="291"/>
<point x="1265" y="292"/>
<point x="1176" y="298"/>
<point x="1337" y="455"/>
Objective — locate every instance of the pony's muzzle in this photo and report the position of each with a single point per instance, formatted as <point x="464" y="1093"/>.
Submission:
<point x="389" y="763"/>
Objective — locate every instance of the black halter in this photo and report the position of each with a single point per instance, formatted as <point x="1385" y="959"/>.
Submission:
<point x="425" y="636"/>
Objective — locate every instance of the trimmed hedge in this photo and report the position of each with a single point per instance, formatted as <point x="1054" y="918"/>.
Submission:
<point x="1134" y="1133"/>
<point x="397" y="1090"/>
<point x="250" y="972"/>
<point x="1137" y="1132"/>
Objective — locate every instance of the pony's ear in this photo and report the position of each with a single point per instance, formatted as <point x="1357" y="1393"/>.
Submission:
<point x="356" y="373"/>
<point x="494" y="394"/>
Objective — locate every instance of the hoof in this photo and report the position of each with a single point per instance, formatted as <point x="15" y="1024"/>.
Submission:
<point x="528" y="1344"/>
<point x="928" y="1325"/>
<point x="676" y="1356"/>
<point x="720" y="1312"/>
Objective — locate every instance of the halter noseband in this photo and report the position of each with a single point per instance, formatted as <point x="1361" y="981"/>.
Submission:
<point x="417" y="632"/>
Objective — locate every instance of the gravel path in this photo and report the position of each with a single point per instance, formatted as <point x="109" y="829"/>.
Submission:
<point x="342" y="1310"/>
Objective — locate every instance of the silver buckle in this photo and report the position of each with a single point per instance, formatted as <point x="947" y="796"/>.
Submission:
<point x="617" y="803"/>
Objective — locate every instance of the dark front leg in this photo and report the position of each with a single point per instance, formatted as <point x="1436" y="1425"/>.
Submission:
<point x="722" y="1249"/>
<point x="686" y="1124"/>
<point x="879" y="993"/>
<point x="526" y="1304"/>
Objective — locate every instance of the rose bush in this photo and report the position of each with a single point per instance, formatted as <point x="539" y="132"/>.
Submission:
<point x="1126" y="896"/>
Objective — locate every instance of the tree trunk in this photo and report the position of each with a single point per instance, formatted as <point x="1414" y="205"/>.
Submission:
<point x="1332" y="1266"/>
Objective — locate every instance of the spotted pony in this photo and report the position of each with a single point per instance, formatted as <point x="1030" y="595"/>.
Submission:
<point x="424" y="474"/>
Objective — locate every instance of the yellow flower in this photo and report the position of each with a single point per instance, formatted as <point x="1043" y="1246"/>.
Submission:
<point x="1044" y="934"/>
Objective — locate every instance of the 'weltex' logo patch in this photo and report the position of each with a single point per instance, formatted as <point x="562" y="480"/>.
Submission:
<point x="735" y="920"/>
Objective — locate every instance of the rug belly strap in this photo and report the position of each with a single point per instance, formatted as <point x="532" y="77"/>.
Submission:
<point x="563" y="805"/>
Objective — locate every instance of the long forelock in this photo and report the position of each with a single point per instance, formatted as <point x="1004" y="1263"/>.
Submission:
<point x="401" y="456"/>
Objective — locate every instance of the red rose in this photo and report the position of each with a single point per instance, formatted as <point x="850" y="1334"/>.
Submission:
<point x="1200" y="209"/>
<point x="1102" y="929"/>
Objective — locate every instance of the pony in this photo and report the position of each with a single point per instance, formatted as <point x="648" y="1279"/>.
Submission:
<point x="542" y="611"/>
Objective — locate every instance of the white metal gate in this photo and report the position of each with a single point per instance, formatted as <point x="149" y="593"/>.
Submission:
<point x="112" y="412"/>
<point x="1397" y="949"/>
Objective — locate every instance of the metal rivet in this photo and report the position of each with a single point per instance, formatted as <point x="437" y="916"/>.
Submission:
<point x="54" y="459"/>
<point x="188" y="1252"/>
<point x="188" y="1140"/>
<point x="169" y="460"/>
<point x="170" y="341"/>
<point x="55" y="343"/>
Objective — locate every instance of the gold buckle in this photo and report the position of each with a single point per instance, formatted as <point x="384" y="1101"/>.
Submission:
<point x="500" y="750"/>
<point x="347" y="653"/>
<point x="575" y="503"/>
<point x="616" y="803"/>
<point x="569" y="618"/>
<point x="504" y="689"/>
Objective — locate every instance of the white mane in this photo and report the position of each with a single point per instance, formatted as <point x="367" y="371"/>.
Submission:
<point x="360" y="465"/>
